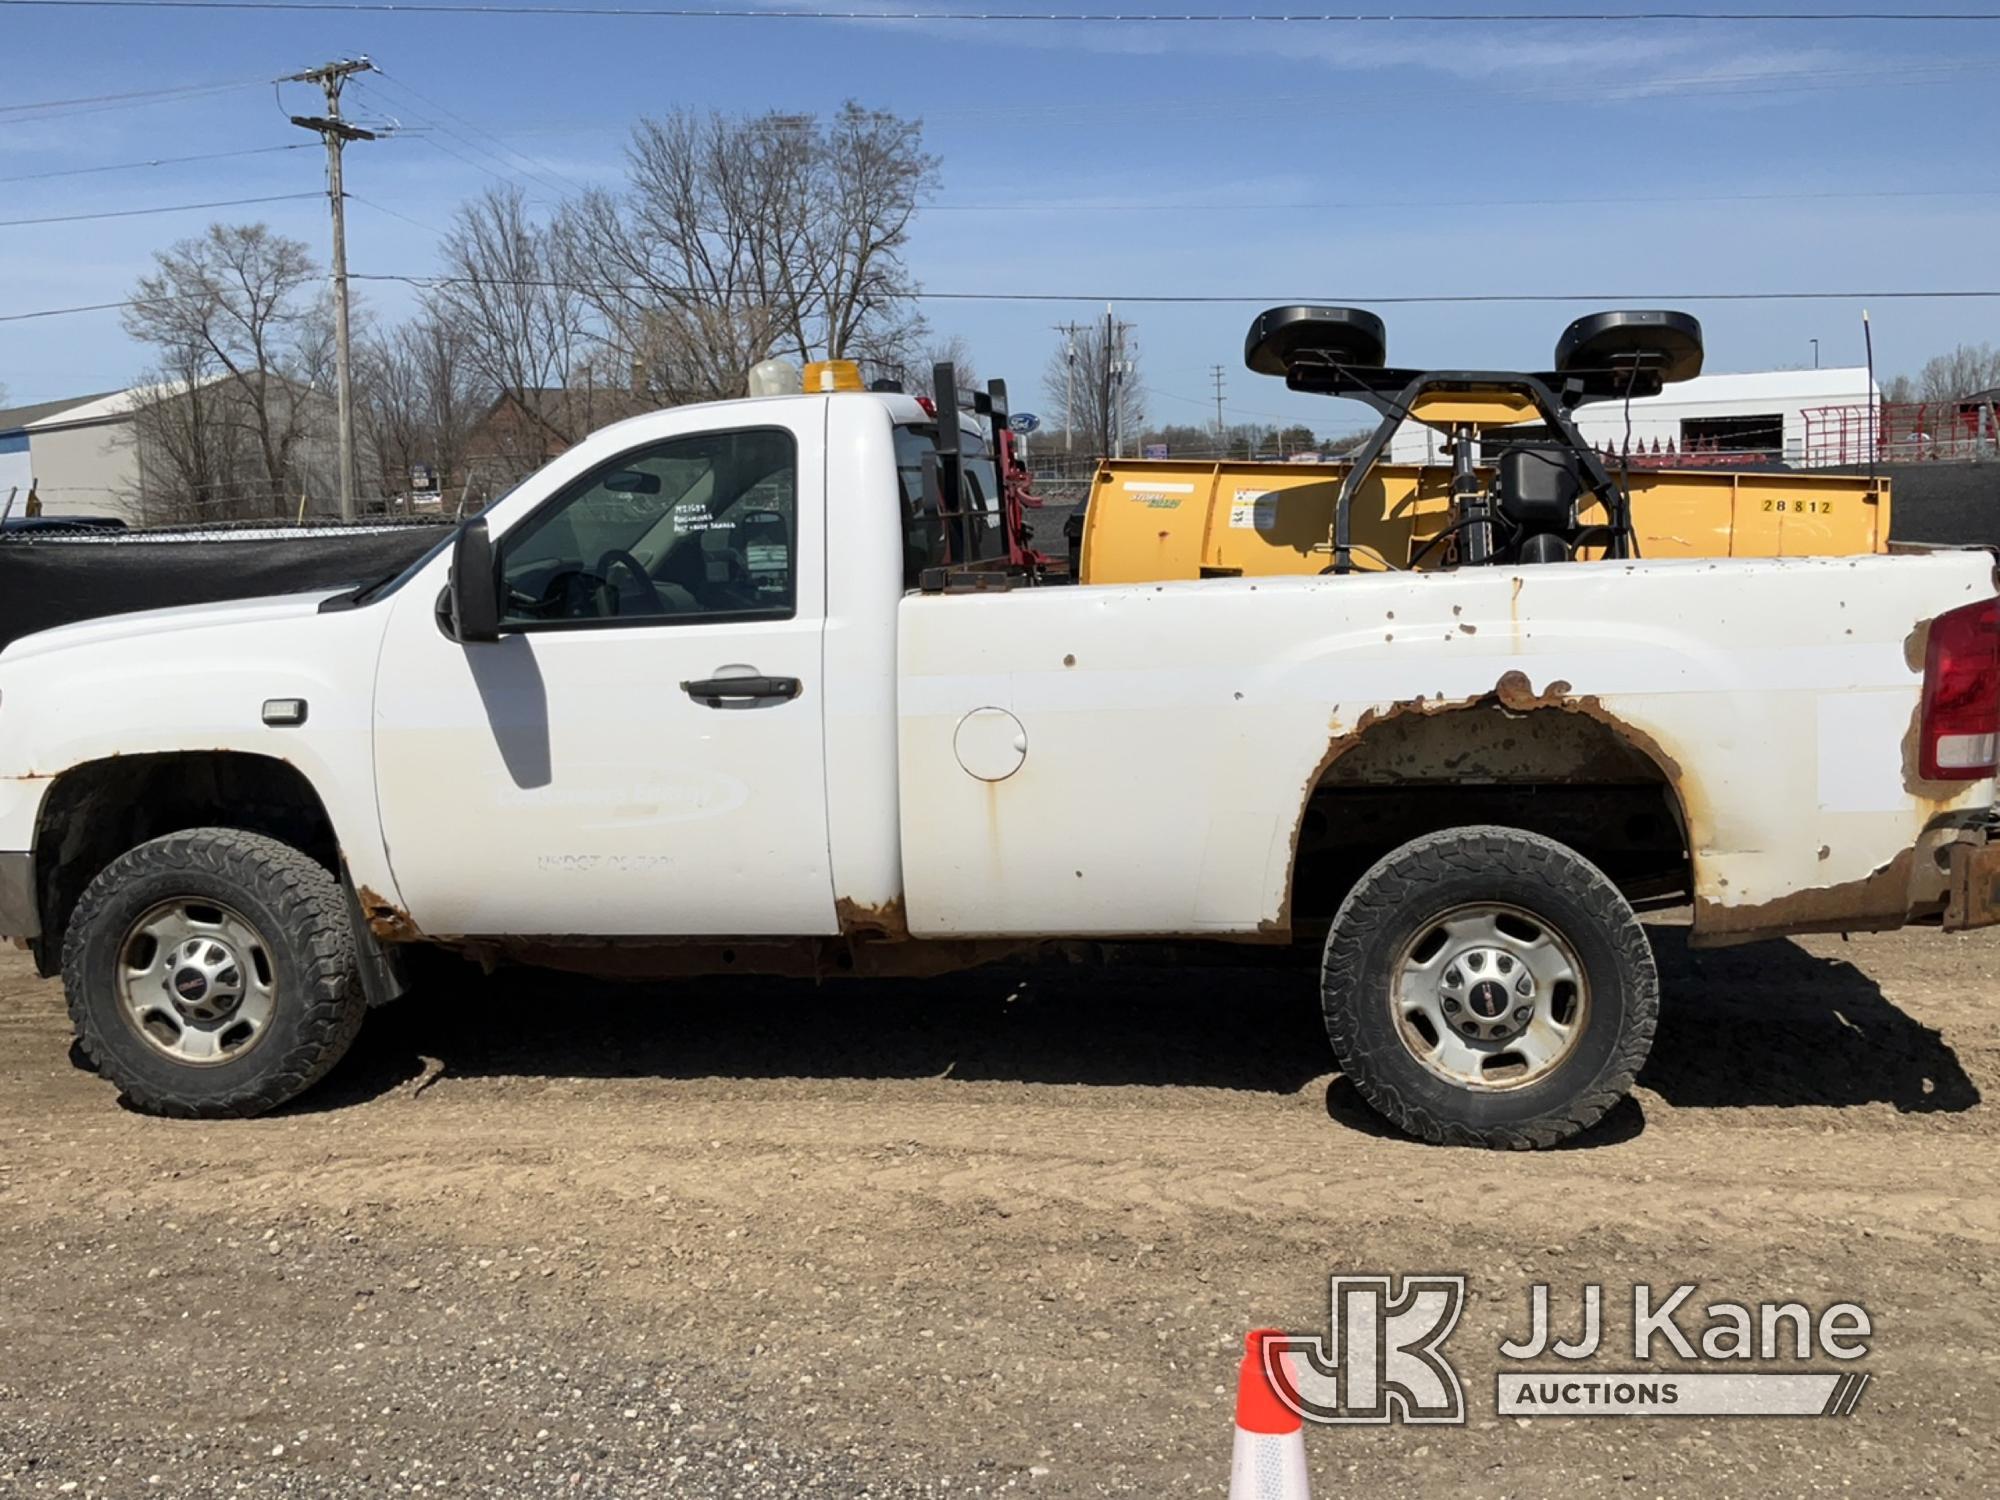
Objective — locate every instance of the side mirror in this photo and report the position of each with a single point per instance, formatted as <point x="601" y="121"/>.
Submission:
<point x="475" y="585"/>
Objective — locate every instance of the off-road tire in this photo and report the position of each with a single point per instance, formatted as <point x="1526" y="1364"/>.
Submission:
<point x="1412" y="886"/>
<point x="301" y="917"/>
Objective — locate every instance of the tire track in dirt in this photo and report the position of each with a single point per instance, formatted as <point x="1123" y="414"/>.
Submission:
<point x="975" y="1230"/>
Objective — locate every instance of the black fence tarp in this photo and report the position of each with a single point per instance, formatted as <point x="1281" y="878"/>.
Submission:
<point x="48" y="580"/>
<point x="1940" y="501"/>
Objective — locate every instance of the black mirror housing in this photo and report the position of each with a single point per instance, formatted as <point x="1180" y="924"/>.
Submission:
<point x="475" y="585"/>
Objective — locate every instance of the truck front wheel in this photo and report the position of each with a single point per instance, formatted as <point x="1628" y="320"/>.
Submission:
<point x="1489" y="987"/>
<point x="212" y="973"/>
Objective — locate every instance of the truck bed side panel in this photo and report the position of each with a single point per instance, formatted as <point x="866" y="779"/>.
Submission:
<point x="1173" y="732"/>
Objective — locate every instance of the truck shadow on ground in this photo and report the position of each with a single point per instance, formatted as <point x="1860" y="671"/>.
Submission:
<point x="1771" y="1024"/>
<point x="1763" y="1025"/>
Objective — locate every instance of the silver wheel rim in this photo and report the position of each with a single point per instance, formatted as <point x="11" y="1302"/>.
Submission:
<point x="1489" y="997"/>
<point x="196" y="982"/>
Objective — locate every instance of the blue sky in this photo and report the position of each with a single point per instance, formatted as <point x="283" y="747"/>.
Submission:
<point x="1404" y="138"/>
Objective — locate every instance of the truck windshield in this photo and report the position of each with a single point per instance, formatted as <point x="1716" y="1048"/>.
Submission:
<point x="981" y="501"/>
<point x="386" y="585"/>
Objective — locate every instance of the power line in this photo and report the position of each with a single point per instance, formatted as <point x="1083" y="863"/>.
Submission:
<point x="165" y="208"/>
<point x="1241" y="411"/>
<point x="1429" y="300"/>
<point x="28" y="114"/>
<point x="1176" y="299"/>
<point x="157" y="161"/>
<point x="498" y="176"/>
<point x="680" y="13"/>
<point x="1793" y="79"/>
<point x="499" y="173"/>
<point x="504" y="152"/>
<point x="1476" y="95"/>
<point x="383" y="208"/>
<point x="63" y="312"/>
<point x="130" y="96"/>
<point x="1386" y="203"/>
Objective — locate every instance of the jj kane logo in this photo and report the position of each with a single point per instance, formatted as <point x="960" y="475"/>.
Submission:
<point x="1382" y="1358"/>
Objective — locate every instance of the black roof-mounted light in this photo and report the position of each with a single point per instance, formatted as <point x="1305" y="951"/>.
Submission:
<point x="1283" y="337"/>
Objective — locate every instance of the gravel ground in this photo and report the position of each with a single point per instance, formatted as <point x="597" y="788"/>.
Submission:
<point x="998" y="1234"/>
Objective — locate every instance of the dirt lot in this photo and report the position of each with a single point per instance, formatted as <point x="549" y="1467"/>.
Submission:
<point x="996" y="1234"/>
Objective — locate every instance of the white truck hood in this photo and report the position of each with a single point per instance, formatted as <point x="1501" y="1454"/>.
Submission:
<point x="147" y="623"/>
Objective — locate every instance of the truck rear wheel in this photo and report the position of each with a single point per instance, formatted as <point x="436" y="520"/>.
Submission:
<point x="212" y="973"/>
<point x="1489" y="987"/>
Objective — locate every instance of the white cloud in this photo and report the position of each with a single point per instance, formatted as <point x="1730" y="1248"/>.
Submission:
<point x="1556" y="63"/>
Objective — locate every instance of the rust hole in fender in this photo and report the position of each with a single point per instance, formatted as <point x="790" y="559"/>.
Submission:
<point x="1510" y="735"/>
<point x="388" y="921"/>
<point x="885" y="919"/>
<point x="1879" y="898"/>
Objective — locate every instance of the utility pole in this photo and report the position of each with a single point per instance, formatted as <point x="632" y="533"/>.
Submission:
<point x="1117" y="368"/>
<point x="1110" y="388"/>
<point x="336" y="132"/>
<point x="1221" y="429"/>
<point x="1069" y="332"/>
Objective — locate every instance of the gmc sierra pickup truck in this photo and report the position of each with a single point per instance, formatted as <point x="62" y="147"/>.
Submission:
<point x="713" y="692"/>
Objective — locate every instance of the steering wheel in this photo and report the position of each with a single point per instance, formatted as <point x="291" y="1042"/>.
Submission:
<point x="618" y="556"/>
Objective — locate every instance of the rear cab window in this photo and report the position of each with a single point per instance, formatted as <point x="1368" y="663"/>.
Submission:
<point x="981" y="500"/>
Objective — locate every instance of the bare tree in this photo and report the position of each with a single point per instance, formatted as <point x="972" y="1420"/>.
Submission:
<point x="1092" y="384"/>
<point x="234" y="311"/>
<point x="870" y="174"/>
<point x="954" y="351"/>
<point x="419" y="398"/>
<point x="736" y="240"/>
<point x="1968" y="369"/>
<point x="682" y="264"/>
<point x="511" y="296"/>
<point x="191" y="447"/>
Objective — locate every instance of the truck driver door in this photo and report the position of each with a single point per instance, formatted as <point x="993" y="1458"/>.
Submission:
<point x="641" y="752"/>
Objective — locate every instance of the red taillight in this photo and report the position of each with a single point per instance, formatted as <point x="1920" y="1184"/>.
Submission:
<point x="929" y="406"/>
<point x="1961" y="724"/>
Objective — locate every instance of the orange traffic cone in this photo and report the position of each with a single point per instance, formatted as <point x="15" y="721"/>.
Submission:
<point x="1269" y="1462"/>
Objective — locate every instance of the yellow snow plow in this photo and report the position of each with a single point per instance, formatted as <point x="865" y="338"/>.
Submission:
<point x="1539" y="494"/>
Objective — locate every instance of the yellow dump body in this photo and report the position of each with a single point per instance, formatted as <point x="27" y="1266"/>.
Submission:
<point x="1152" y="520"/>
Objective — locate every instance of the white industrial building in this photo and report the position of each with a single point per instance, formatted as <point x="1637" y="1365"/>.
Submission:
<point x="16" y="472"/>
<point x="86" y="456"/>
<point x="1783" y="414"/>
<point x="19" y="455"/>
<point x="81" y="455"/>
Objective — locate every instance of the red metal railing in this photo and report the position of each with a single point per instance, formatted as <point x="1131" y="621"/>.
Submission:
<point x="1900" y="432"/>
<point x="1671" y="455"/>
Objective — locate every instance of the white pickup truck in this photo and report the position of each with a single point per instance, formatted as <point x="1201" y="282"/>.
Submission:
<point x="683" y="703"/>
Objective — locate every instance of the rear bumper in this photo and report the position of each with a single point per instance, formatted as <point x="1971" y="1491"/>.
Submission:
<point x="18" y="916"/>
<point x="1973" y="896"/>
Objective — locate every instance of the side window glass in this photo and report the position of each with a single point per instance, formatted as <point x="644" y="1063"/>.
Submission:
<point x="923" y="536"/>
<point x="691" y="528"/>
